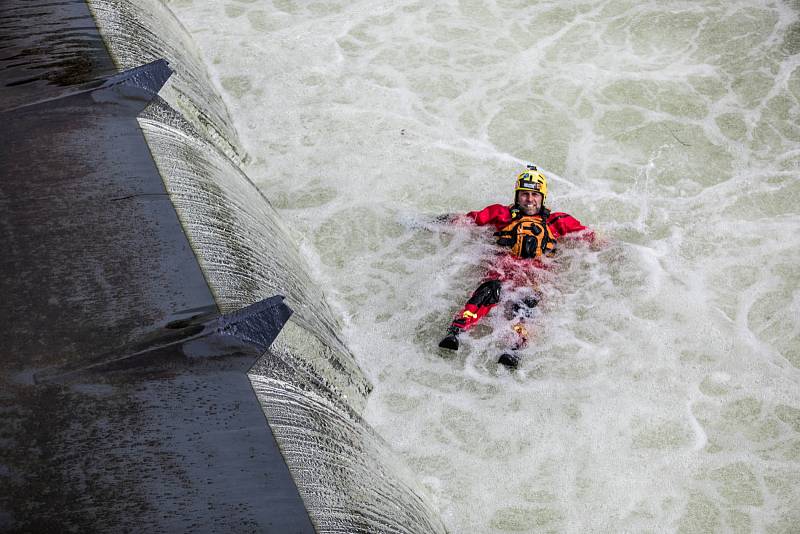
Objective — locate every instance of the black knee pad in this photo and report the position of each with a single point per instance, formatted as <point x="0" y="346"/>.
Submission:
<point x="486" y="294"/>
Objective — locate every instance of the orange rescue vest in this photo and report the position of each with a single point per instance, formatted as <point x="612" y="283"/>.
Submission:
<point x="527" y="235"/>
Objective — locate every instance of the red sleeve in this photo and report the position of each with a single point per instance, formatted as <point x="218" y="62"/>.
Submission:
<point x="494" y="214"/>
<point x="562" y="224"/>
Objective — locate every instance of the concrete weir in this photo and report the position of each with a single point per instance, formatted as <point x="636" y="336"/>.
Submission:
<point x="167" y="363"/>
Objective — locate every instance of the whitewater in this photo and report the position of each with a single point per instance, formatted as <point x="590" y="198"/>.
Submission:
<point x="660" y="392"/>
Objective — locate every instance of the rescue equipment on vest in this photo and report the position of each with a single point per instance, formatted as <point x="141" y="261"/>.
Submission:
<point x="528" y="236"/>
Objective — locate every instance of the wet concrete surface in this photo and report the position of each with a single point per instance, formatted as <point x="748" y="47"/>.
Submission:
<point x="48" y="49"/>
<point x="124" y="396"/>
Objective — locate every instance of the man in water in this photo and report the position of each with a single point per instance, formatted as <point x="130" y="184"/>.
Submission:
<point x="528" y="230"/>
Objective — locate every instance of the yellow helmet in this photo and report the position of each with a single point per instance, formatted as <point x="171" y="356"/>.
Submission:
<point x="531" y="179"/>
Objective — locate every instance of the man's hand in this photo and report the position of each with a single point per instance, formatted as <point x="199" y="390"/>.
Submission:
<point x="445" y="218"/>
<point x="453" y="218"/>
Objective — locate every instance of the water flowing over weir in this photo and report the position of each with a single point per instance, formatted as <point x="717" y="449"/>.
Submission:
<point x="308" y="384"/>
<point x="145" y="275"/>
<point x="139" y="32"/>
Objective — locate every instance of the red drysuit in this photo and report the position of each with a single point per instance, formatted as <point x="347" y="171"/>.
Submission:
<point x="507" y="267"/>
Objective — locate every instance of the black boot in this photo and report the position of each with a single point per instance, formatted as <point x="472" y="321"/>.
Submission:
<point x="509" y="359"/>
<point x="450" y="341"/>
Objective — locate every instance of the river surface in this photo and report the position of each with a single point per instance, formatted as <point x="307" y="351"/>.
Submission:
<point x="661" y="388"/>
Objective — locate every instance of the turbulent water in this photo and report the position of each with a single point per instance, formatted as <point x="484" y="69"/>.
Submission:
<point x="660" y="392"/>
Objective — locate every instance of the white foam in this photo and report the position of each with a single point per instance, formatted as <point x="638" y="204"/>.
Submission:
<point x="658" y="362"/>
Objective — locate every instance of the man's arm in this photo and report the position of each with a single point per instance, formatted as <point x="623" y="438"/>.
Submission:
<point x="562" y="224"/>
<point x="494" y="214"/>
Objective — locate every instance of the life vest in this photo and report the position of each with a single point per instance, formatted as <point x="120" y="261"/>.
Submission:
<point x="527" y="235"/>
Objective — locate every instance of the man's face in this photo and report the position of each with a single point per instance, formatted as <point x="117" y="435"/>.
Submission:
<point x="529" y="202"/>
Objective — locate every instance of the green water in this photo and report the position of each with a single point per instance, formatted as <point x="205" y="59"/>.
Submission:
<point x="661" y="392"/>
